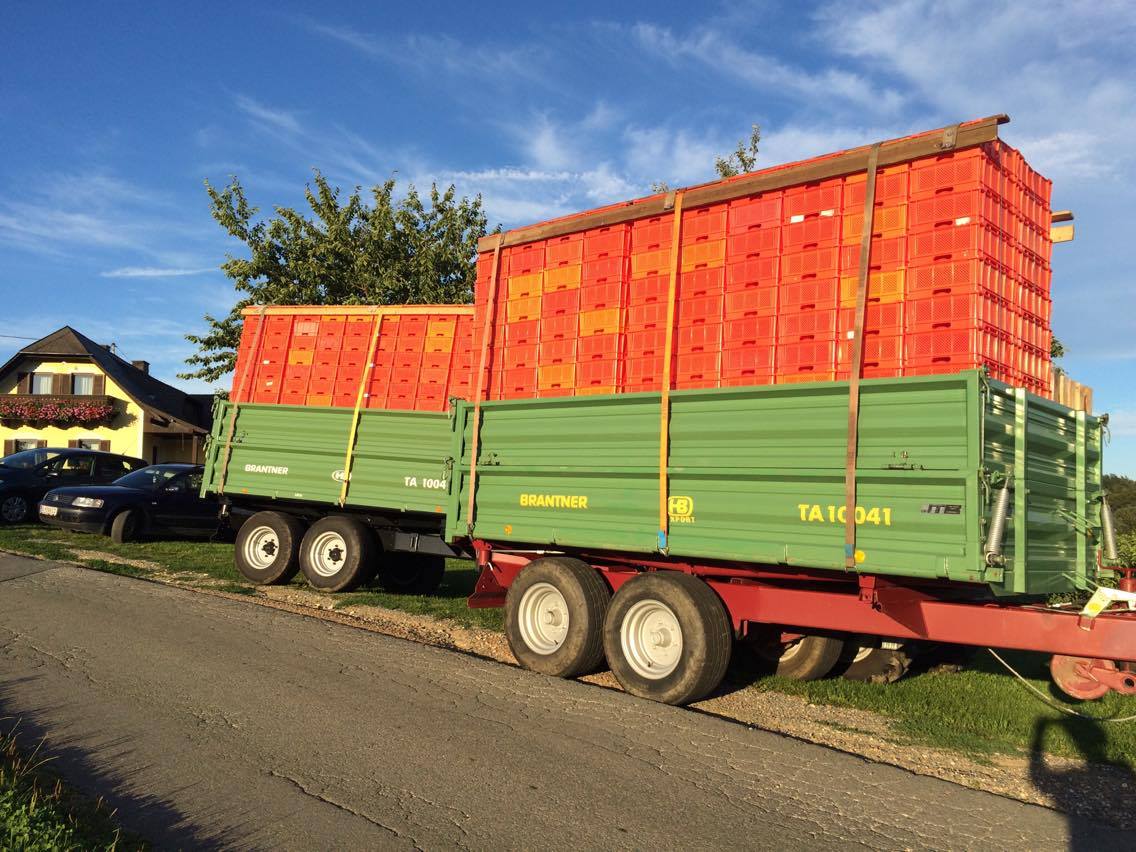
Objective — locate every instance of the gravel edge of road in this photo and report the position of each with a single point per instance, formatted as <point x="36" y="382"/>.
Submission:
<point x="1089" y="790"/>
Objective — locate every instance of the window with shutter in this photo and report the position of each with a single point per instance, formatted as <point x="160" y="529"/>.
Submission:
<point x="83" y="384"/>
<point x="41" y="384"/>
<point x="9" y="447"/>
<point x="103" y="446"/>
<point x="60" y="384"/>
<point x="23" y="383"/>
<point x="99" y="384"/>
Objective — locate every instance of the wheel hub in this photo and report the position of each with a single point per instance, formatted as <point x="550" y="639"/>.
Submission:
<point x="261" y="548"/>
<point x="542" y="618"/>
<point x="329" y="553"/>
<point x="651" y="639"/>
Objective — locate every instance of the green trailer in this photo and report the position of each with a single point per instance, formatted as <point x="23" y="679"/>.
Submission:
<point x="975" y="501"/>
<point x="756" y="475"/>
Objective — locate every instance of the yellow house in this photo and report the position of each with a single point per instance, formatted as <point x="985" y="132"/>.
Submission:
<point x="65" y="390"/>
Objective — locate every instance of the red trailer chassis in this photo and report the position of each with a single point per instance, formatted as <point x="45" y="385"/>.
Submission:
<point x="1091" y="654"/>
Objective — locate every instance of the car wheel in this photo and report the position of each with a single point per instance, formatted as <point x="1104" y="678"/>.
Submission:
<point x="125" y="526"/>
<point x="14" y="509"/>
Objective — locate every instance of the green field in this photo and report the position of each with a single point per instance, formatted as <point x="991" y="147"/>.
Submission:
<point x="980" y="710"/>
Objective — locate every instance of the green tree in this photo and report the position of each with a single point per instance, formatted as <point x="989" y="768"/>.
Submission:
<point x="408" y="250"/>
<point x="744" y="157"/>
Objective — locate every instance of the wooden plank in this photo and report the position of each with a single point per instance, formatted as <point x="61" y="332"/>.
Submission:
<point x="359" y="310"/>
<point x="838" y="165"/>
<point x="1061" y="233"/>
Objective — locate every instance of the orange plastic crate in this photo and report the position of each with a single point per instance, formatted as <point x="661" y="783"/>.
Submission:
<point x="748" y="331"/>
<point x="610" y="241"/>
<point x="605" y="270"/>
<point x="793" y="327"/>
<point x="812" y="231"/>
<point x="812" y="198"/>
<point x="762" y="239"/>
<point x="597" y="374"/>
<point x="704" y="223"/>
<point x="751" y="301"/>
<point x="566" y="250"/>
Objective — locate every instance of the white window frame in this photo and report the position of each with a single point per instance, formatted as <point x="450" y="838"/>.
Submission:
<point x="83" y="442"/>
<point x="16" y="442"/>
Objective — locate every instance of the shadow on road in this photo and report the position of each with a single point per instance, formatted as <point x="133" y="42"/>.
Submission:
<point x="1076" y="789"/>
<point x="148" y="816"/>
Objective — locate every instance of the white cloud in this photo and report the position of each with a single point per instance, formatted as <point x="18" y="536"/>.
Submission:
<point x="1064" y="72"/>
<point x="271" y="116"/>
<point x="433" y="53"/>
<point x="154" y="272"/>
<point x="718" y="51"/>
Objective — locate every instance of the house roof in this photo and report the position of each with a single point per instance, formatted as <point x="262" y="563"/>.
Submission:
<point x="144" y="389"/>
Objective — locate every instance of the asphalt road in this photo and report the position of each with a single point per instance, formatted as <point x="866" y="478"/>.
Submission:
<point x="217" y="723"/>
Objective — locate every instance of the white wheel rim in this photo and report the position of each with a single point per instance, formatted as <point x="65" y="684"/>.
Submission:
<point x="542" y="618"/>
<point x="791" y="650"/>
<point x="14" y="508"/>
<point x="262" y="548"/>
<point x="328" y="554"/>
<point x="651" y="638"/>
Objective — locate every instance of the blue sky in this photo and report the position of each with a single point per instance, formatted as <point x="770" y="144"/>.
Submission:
<point x="112" y="115"/>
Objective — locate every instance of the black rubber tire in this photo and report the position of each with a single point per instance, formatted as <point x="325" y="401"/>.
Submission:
<point x="586" y="596"/>
<point x="357" y="556"/>
<point x="813" y="657"/>
<point x="289" y="532"/>
<point x="17" y="508"/>
<point x="707" y="637"/>
<point x="876" y="665"/>
<point x="410" y="573"/>
<point x="126" y="526"/>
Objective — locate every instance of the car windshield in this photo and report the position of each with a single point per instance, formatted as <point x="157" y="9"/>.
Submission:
<point x="28" y="458"/>
<point x="149" y="478"/>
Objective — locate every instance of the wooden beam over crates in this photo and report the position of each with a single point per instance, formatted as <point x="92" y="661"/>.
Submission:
<point x="848" y="162"/>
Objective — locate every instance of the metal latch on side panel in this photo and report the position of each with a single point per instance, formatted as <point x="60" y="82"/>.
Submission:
<point x="950" y="138"/>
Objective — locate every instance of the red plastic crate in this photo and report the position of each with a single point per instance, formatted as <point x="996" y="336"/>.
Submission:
<point x="566" y="250"/>
<point x="806" y="324"/>
<point x="978" y="205"/>
<point x="818" y="292"/>
<point x="891" y="187"/>
<point x="887" y="253"/>
<point x="597" y="373"/>
<point x="700" y="283"/>
<point x="703" y="337"/>
<point x="757" y="300"/>
<point x="518" y="333"/>
<point x="957" y="171"/>
<point x="603" y="347"/>
<point x="958" y="276"/>
<point x="699" y="309"/>
<point x="805" y="356"/>
<point x="960" y="242"/>
<point x="752" y="363"/>
<point x="754" y="210"/>
<point x="882" y="319"/>
<point x="959" y="310"/>
<point x="559" y="327"/>
<point x="605" y="270"/>
<point x="748" y="331"/>
<point x="813" y="263"/>
<point x="762" y="239"/>
<point x="651" y="289"/>
<point x="697" y="370"/>
<point x="523" y="259"/>
<point x="560" y="303"/>
<point x="594" y="296"/>
<point x="703" y="223"/>
<point x="609" y="241"/>
<point x="646" y="344"/>
<point x="812" y="231"/>
<point x="648" y="316"/>
<point x="813" y="198"/>
<point x="752" y="271"/>
<point x="651" y="233"/>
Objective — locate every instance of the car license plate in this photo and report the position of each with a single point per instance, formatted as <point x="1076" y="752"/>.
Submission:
<point x="50" y="511"/>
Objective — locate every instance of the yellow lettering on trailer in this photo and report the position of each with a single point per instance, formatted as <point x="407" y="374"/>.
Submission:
<point x="554" y="501"/>
<point x="879" y="516"/>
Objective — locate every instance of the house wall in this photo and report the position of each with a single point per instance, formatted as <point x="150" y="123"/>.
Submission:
<point x="124" y="432"/>
<point x="170" y="448"/>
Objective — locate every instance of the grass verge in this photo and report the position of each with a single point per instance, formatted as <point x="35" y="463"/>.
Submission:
<point x="39" y="812"/>
<point x="980" y="711"/>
